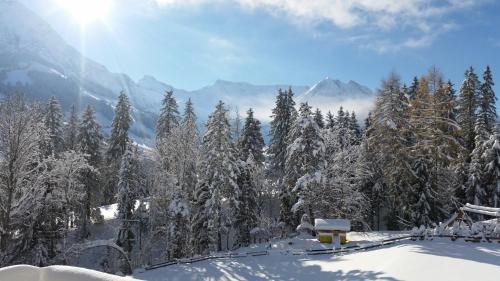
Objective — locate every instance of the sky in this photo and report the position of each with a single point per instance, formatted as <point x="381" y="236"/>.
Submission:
<point x="191" y="43"/>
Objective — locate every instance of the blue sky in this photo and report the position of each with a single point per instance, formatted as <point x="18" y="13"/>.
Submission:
<point x="191" y="43"/>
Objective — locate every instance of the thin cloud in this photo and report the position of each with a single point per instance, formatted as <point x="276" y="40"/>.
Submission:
<point x="423" y="17"/>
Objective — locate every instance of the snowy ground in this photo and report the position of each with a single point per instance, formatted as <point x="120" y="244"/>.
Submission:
<point x="440" y="259"/>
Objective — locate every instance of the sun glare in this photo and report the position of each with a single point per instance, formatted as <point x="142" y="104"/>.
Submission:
<point x="87" y="11"/>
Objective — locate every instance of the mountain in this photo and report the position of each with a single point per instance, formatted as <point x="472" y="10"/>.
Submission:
<point x="35" y="60"/>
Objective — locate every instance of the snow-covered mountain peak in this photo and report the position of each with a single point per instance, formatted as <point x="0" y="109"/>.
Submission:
<point x="329" y="87"/>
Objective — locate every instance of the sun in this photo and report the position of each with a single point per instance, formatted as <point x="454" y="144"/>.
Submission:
<point x="87" y="11"/>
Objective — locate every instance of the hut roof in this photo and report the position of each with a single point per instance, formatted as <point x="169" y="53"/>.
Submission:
<point x="332" y="224"/>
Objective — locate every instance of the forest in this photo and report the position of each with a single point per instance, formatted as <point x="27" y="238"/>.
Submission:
<point x="425" y="150"/>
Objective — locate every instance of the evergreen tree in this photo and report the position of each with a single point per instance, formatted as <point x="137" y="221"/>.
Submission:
<point x="283" y="118"/>
<point x="330" y="120"/>
<point x="318" y="117"/>
<point x="247" y="216"/>
<point x="119" y="129"/>
<point x="117" y="145"/>
<point x="305" y="162"/>
<point x="200" y="217"/>
<point x="54" y="125"/>
<point x="126" y="201"/>
<point x="71" y="130"/>
<point x="219" y="172"/>
<point x="169" y="117"/>
<point x="251" y="140"/>
<point x="491" y="174"/>
<point x="388" y="138"/>
<point x="89" y="143"/>
<point x="467" y="105"/>
<point x="190" y="142"/>
<point x="487" y="109"/>
<point x="412" y="91"/>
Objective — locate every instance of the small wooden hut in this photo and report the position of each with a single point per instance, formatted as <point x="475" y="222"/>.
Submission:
<point x="332" y="230"/>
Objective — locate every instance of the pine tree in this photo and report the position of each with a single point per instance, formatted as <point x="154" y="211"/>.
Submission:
<point x="388" y="139"/>
<point x="330" y="120"/>
<point x="54" y="124"/>
<point x="247" y="216"/>
<point x="199" y="222"/>
<point x="119" y="129"/>
<point x="219" y="172"/>
<point x="283" y="117"/>
<point x="89" y="141"/>
<point x="251" y="140"/>
<point x="318" y="117"/>
<point x="305" y="162"/>
<point x="190" y="142"/>
<point x="126" y="200"/>
<point x="169" y="117"/>
<point x="467" y="104"/>
<point x="71" y="130"/>
<point x="117" y="145"/>
<point x="412" y="91"/>
<point x="487" y="109"/>
<point x="491" y="174"/>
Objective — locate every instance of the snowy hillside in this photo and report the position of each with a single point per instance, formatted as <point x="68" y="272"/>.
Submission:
<point x="34" y="59"/>
<point x="440" y="259"/>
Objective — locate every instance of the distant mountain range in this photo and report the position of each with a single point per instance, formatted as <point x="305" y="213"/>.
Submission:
<point x="35" y="60"/>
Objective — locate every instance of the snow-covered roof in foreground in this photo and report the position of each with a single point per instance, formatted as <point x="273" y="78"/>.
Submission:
<point x="56" y="272"/>
<point x="332" y="224"/>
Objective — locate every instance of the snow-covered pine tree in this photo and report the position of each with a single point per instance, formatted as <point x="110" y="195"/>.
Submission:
<point x="179" y="224"/>
<point x="119" y="129"/>
<point x="117" y="145"/>
<point x="199" y="221"/>
<point x="467" y="104"/>
<point x="219" y="172"/>
<point x="354" y="128"/>
<point x="283" y="117"/>
<point x="340" y="193"/>
<point x="169" y="117"/>
<point x="54" y="124"/>
<point x="190" y="141"/>
<point x="251" y="140"/>
<point x="305" y="162"/>
<point x="248" y="212"/>
<point x="491" y="174"/>
<point x="89" y="139"/>
<point x="71" y="130"/>
<point x="318" y="117"/>
<point x="387" y="141"/>
<point x="487" y="99"/>
<point x="330" y="120"/>
<point x="126" y="197"/>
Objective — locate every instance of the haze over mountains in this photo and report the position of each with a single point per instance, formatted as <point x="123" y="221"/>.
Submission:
<point x="35" y="60"/>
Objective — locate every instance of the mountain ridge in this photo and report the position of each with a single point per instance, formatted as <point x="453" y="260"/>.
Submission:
<point x="34" y="59"/>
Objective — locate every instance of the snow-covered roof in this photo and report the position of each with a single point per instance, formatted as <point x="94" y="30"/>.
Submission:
<point x="56" y="272"/>
<point x="332" y="224"/>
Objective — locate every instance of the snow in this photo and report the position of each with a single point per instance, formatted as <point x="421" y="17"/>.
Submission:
<point x="56" y="273"/>
<point x="440" y="259"/>
<point x="332" y="224"/>
<point x="110" y="212"/>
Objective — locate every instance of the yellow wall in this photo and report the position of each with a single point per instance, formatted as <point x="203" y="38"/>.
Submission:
<point x="327" y="238"/>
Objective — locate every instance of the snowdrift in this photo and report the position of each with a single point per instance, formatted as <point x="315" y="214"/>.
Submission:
<point x="55" y="273"/>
